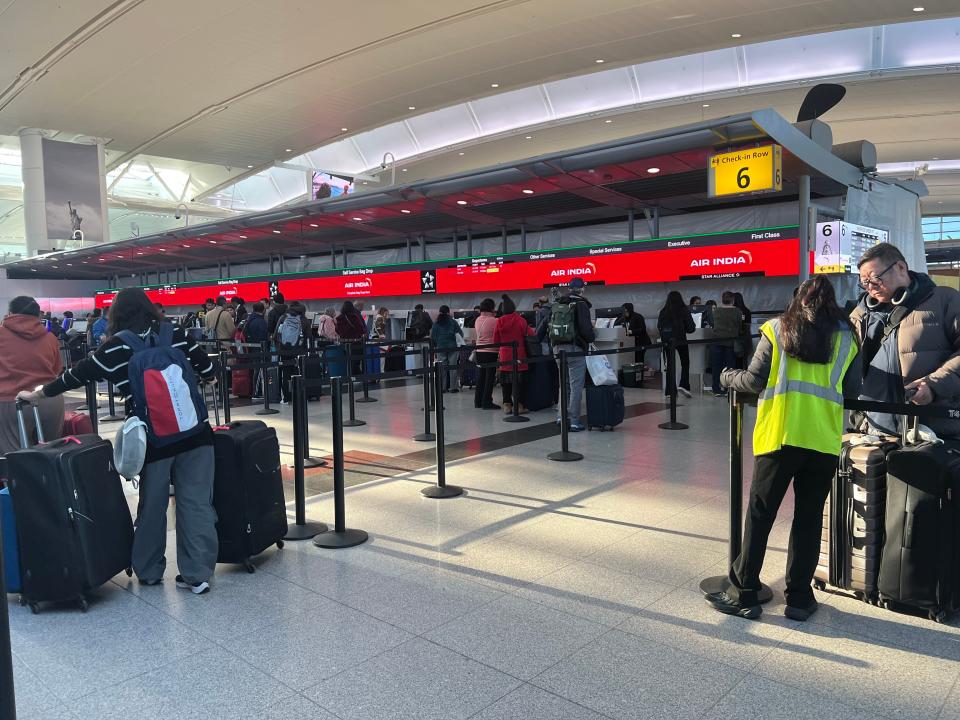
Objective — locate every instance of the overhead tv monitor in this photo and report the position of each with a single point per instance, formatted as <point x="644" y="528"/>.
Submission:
<point x="328" y="186"/>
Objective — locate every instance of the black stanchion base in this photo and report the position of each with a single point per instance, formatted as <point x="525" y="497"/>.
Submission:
<point x="305" y="532"/>
<point x="367" y="399"/>
<point x="424" y="437"/>
<point x="334" y="540"/>
<point x="110" y="418"/>
<point x="447" y="491"/>
<point x="565" y="456"/>
<point x="354" y="423"/>
<point x="720" y="583"/>
<point x="673" y="426"/>
<point x="265" y="411"/>
<point x="312" y="462"/>
<point x="516" y="418"/>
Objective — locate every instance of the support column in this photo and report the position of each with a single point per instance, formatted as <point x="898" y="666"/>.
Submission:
<point x="630" y="225"/>
<point x="423" y="247"/>
<point x="34" y="194"/>
<point x="523" y="238"/>
<point x="804" y="190"/>
<point x="469" y="242"/>
<point x="456" y="243"/>
<point x="409" y="250"/>
<point x="503" y="238"/>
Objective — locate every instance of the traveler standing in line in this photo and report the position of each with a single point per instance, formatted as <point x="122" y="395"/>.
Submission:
<point x="420" y="323"/>
<point x="636" y="327"/>
<point x="219" y="323"/>
<point x="292" y="335"/>
<point x="443" y="334"/>
<point x="98" y="330"/>
<point x="352" y="329"/>
<point x="743" y="348"/>
<point x="674" y="323"/>
<point x="327" y="326"/>
<point x="571" y="330"/>
<point x="486" y="371"/>
<point x="381" y="330"/>
<point x="512" y="328"/>
<point x="188" y="460"/>
<point x="240" y="311"/>
<point x="727" y="323"/>
<point x="706" y="320"/>
<point x="255" y="329"/>
<point x="805" y="364"/>
<point x="31" y="357"/>
<point x="470" y="321"/>
<point x="277" y="310"/>
<point x="542" y="327"/>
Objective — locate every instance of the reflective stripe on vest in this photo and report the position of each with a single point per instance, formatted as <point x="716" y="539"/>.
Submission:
<point x="804" y="413"/>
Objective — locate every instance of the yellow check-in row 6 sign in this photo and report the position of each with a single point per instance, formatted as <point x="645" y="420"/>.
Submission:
<point x="751" y="170"/>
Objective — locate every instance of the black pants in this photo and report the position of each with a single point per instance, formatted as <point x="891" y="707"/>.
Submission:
<point x="506" y="384"/>
<point x="683" y="352"/>
<point x="721" y="356"/>
<point x="812" y="473"/>
<point x="486" y="376"/>
<point x="287" y="371"/>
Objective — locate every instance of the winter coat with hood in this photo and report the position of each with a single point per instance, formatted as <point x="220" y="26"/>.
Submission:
<point x="928" y="341"/>
<point x="512" y="328"/>
<point x="31" y="355"/>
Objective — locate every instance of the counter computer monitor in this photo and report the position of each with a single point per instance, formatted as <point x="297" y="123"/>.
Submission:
<point x="80" y="326"/>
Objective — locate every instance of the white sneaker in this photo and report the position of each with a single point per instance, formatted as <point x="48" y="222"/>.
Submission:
<point x="684" y="391"/>
<point x="199" y="589"/>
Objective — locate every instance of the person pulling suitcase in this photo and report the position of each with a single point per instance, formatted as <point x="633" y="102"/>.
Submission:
<point x="804" y="366"/>
<point x="154" y="366"/>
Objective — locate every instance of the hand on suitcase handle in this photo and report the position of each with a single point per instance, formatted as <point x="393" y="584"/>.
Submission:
<point x="29" y="397"/>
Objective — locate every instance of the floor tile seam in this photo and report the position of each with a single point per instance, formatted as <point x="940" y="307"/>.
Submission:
<point x="746" y="676"/>
<point x="57" y="700"/>
<point x="577" y="615"/>
<point x="943" y="705"/>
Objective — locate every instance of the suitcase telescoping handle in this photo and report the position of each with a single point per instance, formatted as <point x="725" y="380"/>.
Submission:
<point x="22" y="425"/>
<point x="216" y="402"/>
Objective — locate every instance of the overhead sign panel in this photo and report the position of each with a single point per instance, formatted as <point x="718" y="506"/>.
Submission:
<point x="840" y="245"/>
<point x="765" y="252"/>
<point x="747" y="171"/>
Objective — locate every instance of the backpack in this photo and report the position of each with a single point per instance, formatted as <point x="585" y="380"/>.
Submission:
<point x="211" y="333"/>
<point x="562" y="327"/>
<point x="289" y="331"/>
<point x="163" y="387"/>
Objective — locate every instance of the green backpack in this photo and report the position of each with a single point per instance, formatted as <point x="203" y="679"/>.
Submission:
<point x="563" y="323"/>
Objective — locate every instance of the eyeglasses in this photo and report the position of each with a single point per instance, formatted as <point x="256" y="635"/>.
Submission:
<point x="876" y="281"/>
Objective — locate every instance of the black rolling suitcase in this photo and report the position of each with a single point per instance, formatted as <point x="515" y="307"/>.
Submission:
<point x="313" y="370"/>
<point x="73" y="523"/>
<point x="605" y="406"/>
<point x="272" y="374"/>
<point x="538" y="393"/>
<point x="247" y="490"/>
<point x="920" y="566"/>
<point x="395" y="360"/>
<point x="852" y="536"/>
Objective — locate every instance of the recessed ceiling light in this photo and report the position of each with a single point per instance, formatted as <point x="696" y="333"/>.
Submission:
<point x="529" y="137"/>
<point x="69" y="264"/>
<point x="34" y="269"/>
<point x="289" y="150"/>
<point x="653" y="170"/>
<point x="608" y="121"/>
<point x="213" y="242"/>
<point x="139" y="253"/>
<point x="243" y="237"/>
<point x="55" y="267"/>
<point x="311" y="225"/>
<point x="599" y="62"/>
<point x="358" y="219"/>
<point x="736" y="35"/>
<point x="459" y="153"/>
<point x="939" y="202"/>
<point x="403" y="169"/>
<point x="705" y="105"/>
<point x="527" y="191"/>
<point x="186" y="246"/>
<point x="405" y="212"/>
<point x="936" y="158"/>
<point x="494" y="85"/>
<point x="163" y="249"/>
<point x="919" y="9"/>
<point x="343" y="129"/>
<point x="411" y="107"/>
<point x="276" y="232"/>
<point x="461" y="202"/>
<point x="249" y="167"/>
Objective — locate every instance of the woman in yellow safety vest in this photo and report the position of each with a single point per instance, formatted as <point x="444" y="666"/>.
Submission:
<point x="804" y="365"/>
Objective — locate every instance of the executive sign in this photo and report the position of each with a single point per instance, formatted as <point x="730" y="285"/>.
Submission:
<point x="765" y="252"/>
<point x="742" y="172"/>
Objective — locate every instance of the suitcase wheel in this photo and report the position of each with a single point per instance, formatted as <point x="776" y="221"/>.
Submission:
<point x="249" y="566"/>
<point x="819" y="584"/>
<point x="129" y="572"/>
<point x="83" y="604"/>
<point x="279" y="544"/>
<point x="34" y="608"/>
<point x="938" y="616"/>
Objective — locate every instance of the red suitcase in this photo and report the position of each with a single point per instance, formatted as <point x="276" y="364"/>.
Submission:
<point x="75" y="423"/>
<point x="242" y="383"/>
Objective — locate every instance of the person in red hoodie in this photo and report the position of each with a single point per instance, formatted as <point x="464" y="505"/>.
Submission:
<point x="511" y="327"/>
<point x="29" y="356"/>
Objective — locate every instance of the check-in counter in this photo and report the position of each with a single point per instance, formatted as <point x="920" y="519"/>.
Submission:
<point x="614" y="338"/>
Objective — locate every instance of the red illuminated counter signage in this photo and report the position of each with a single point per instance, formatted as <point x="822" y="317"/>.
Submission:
<point x="767" y="252"/>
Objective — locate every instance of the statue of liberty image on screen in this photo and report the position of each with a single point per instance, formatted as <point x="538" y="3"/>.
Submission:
<point x="75" y="220"/>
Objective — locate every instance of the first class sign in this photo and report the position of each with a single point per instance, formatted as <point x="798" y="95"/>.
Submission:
<point x="763" y="252"/>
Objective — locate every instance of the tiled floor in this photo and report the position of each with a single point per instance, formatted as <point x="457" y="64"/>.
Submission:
<point x="549" y="590"/>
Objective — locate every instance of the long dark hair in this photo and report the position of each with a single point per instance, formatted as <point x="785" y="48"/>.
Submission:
<point x="347" y="308"/>
<point x="810" y="320"/>
<point x="132" y="310"/>
<point x="509" y="306"/>
<point x="675" y="310"/>
<point x="443" y="315"/>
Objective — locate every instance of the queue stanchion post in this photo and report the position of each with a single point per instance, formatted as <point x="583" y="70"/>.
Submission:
<point x="351" y="421"/>
<point x="91" y="391"/>
<point x="8" y="702"/>
<point x="565" y="454"/>
<point x="671" y="370"/>
<point x="515" y="416"/>
<point x="111" y="415"/>
<point x="721" y="583"/>
<point x="366" y="382"/>
<point x="308" y="460"/>
<point x="301" y="529"/>
<point x="341" y="536"/>
<point x="267" y="362"/>
<point x="427" y="435"/>
<point x="441" y="490"/>
<point x="224" y="388"/>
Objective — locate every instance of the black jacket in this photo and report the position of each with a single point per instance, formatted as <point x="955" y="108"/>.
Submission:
<point x="273" y="317"/>
<point x="255" y="328"/>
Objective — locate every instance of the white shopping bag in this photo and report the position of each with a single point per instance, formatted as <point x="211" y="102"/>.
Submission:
<point x="600" y="369"/>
